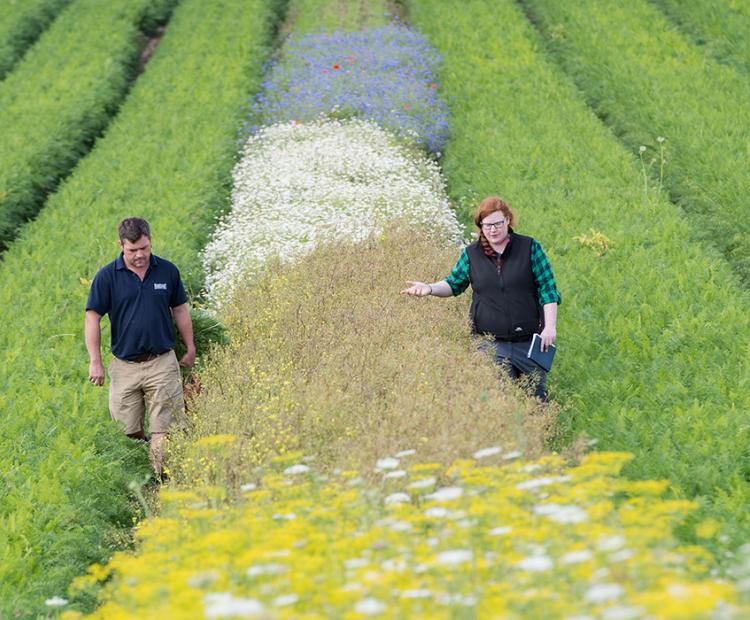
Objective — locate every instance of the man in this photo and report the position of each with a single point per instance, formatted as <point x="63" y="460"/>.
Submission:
<point x="141" y="293"/>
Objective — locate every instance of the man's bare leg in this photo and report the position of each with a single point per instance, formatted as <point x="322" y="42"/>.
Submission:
<point x="156" y="452"/>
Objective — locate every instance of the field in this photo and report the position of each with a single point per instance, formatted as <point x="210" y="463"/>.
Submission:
<point x="351" y="452"/>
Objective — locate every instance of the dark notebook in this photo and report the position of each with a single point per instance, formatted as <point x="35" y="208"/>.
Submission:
<point x="543" y="360"/>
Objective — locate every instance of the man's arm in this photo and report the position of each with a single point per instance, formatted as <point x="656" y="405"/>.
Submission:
<point x="181" y="316"/>
<point x="93" y="336"/>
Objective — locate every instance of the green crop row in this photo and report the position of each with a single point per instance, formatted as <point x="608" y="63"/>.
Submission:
<point x="722" y="26"/>
<point x="646" y="80"/>
<point x="61" y="97"/>
<point x="651" y="357"/>
<point x="21" y="23"/>
<point x="167" y="157"/>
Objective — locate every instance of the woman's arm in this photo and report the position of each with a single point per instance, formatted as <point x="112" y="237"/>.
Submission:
<point x="421" y="289"/>
<point x="549" y="296"/>
<point x="455" y="284"/>
<point x="549" y="333"/>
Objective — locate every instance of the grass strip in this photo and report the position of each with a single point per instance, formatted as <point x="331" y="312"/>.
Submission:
<point x="167" y="157"/>
<point x="540" y="539"/>
<point x="316" y="16"/>
<point x="721" y="26"/>
<point x="62" y="96"/>
<point x="649" y="358"/>
<point x="646" y="79"/>
<point x="340" y="366"/>
<point x="21" y="23"/>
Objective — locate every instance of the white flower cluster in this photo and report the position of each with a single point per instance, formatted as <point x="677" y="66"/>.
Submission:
<point x="299" y="184"/>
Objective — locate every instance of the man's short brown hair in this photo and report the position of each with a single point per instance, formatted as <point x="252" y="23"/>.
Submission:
<point x="133" y="228"/>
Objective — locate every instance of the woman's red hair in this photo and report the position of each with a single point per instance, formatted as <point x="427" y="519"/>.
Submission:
<point x="489" y="205"/>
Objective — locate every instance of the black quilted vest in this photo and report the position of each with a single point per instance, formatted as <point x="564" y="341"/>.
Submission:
<point x="505" y="301"/>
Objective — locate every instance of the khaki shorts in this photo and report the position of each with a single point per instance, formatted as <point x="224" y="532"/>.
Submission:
<point x="156" y="384"/>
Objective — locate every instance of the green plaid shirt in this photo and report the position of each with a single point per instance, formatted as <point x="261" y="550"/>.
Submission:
<point x="459" y="279"/>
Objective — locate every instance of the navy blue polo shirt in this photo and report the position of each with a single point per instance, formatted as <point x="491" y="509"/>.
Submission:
<point x="139" y="312"/>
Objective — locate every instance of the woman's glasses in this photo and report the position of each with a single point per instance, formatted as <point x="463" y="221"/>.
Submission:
<point x="494" y="225"/>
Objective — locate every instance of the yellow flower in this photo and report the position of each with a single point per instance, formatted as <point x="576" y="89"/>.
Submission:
<point x="216" y="440"/>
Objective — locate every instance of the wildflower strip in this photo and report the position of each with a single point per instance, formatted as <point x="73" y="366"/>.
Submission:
<point x="168" y="157"/>
<point x="649" y="363"/>
<point x="529" y="539"/>
<point x="61" y="98"/>
<point x="384" y="74"/>
<point x="21" y="25"/>
<point x="300" y="184"/>
<point x="327" y="358"/>
<point x="695" y="103"/>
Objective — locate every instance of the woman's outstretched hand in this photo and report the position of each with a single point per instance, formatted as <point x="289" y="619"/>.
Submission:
<point x="417" y="289"/>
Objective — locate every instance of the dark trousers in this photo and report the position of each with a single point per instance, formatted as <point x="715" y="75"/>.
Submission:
<point x="512" y="357"/>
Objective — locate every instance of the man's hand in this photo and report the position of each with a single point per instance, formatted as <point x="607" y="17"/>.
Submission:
<point x="548" y="336"/>
<point x="96" y="373"/>
<point x="188" y="360"/>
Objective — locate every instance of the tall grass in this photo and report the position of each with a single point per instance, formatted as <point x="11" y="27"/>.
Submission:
<point x="720" y="26"/>
<point x="327" y="358"/>
<point x="62" y="96"/>
<point x="21" y="23"/>
<point x="167" y="157"/>
<point x="646" y="80"/>
<point x="651" y="357"/>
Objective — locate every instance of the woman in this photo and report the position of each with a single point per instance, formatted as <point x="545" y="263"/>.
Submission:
<point x="514" y="290"/>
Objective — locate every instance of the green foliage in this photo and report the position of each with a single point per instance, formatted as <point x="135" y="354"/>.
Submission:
<point x="646" y="80"/>
<point x="308" y="16"/>
<point x="652" y="356"/>
<point x="61" y="97"/>
<point x="167" y="157"/>
<point x="21" y="22"/>
<point x="722" y="26"/>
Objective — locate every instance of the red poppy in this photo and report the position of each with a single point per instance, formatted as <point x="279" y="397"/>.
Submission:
<point x="407" y="106"/>
<point x="433" y="86"/>
<point x="337" y="67"/>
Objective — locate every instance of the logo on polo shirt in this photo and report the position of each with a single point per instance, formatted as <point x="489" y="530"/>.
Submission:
<point x="160" y="286"/>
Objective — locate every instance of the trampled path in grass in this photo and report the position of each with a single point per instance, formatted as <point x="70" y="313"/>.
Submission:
<point x="649" y="357"/>
<point x="62" y="96"/>
<point x="166" y="157"/>
<point x="721" y="27"/>
<point x="647" y="80"/>
<point x="21" y="23"/>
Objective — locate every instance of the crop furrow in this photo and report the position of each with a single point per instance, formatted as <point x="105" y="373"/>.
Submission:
<point x="647" y="81"/>
<point x="21" y="23"/>
<point x="651" y="357"/>
<point x="167" y="157"/>
<point x="62" y="96"/>
<point x="721" y="27"/>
